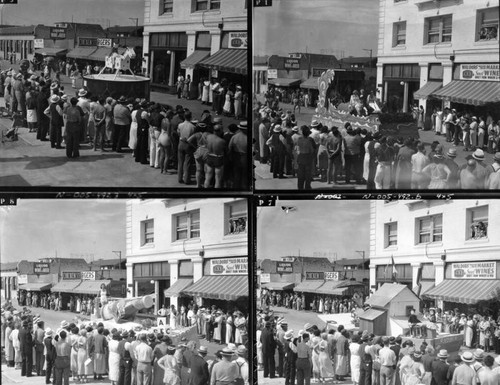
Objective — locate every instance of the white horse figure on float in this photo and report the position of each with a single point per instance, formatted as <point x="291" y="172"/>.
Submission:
<point x="118" y="62"/>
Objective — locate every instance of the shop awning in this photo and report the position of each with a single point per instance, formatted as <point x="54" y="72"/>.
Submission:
<point x="284" y="82"/>
<point x="178" y="287"/>
<point x="81" y="53"/>
<point x="371" y="314"/>
<point x="425" y="287"/>
<point x="227" y="60"/>
<point x="427" y="89"/>
<point x="226" y="287"/>
<point x="65" y="286"/>
<point x="328" y="287"/>
<point x="308" y="286"/>
<point x="192" y="60"/>
<point x="468" y="291"/>
<point x="90" y="287"/>
<point x="473" y="92"/>
<point x="278" y="285"/>
<point x="50" y="51"/>
<point x="35" y="286"/>
<point x="311" y="83"/>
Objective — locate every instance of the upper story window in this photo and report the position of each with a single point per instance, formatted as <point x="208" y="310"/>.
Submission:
<point x="399" y="34"/>
<point x="205" y="5"/>
<point x="391" y="234"/>
<point x="487" y="24"/>
<point x="147" y="232"/>
<point x="477" y="222"/>
<point x="203" y="40"/>
<point x="187" y="225"/>
<point x="438" y="29"/>
<point x="237" y="217"/>
<point x="430" y="229"/>
<point x="166" y="6"/>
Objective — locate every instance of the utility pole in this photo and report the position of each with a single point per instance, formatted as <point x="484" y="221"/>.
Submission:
<point x="119" y="253"/>
<point x="365" y="49"/>
<point x="362" y="252"/>
<point x="136" y="24"/>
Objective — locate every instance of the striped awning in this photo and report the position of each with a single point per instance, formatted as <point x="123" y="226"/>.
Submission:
<point x="192" y="60"/>
<point x="227" y="60"/>
<point x="65" y="286"/>
<point x="425" y="286"/>
<point x="35" y="286"/>
<point x="308" y="286"/>
<point x="472" y="92"/>
<point x="225" y="287"/>
<point x="328" y="287"/>
<point x="310" y="84"/>
<point x="427" y="89"/>
<point x="468" y="291"/>
<point x="178" y="287"/>
<point x="284" y="82"/>
<point x="278" y="285"/>
<point x="90" y="287"/>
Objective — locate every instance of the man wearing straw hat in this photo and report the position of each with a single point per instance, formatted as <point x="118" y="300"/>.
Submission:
<point x="199" y="374"/>
<point x="440" y="368"/>
<point x="225" y="371"/>
<point x="50" y="354"/>
<point x="465" y="373"/>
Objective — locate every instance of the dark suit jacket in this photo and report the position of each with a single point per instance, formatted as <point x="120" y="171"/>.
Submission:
<point x="26" y="341"/>
<point x="268" y="341"/>
<point x="439" y="372"/>
<point x="199" y="371"/>
<point x="51" y="350"/>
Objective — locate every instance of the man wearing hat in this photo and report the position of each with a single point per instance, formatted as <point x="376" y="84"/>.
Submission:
<point x="224" y="371"/>
<point x="465" y="374"/>
<point x="268" y="350"/>
<point x="84" y="104"/>
<point x="26" y="349"/>
<point x="55" y="114"/>
<point x="440" y="368"/>
<point x="238" y="150"/>
<point x="242" y="365"/>
<point x="199" y="374"/>
<point x="493" y="182"/>
<point x="449" y="161"/>
<point x="144" y="355"/>
<point x="214" y="162"/>
<point x="290" y="358"/>
<point x="122" y="119"/>
<point x="280" y="339"/>
<point x="38" y="338"/>
<point x="50" y="355"/>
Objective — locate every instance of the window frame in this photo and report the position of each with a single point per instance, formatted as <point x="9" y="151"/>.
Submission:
<point x="190" y="225"/>
<point x="432" y="232"/>
<point x="209" y="5"/>
<point x="470" y="220"/>
<point x="238" y="215"/>
<point x="481" y="23"/>
<point x="387" y="234"/>
<point x="147" y="233"/>
<point x="440" y="30"/>
<point x="396" y="32"/>
<point x="163" y="4"/>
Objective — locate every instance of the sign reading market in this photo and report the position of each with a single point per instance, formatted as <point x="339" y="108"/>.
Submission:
<point x="229" y="266"/>
<point x="474" y="270"/>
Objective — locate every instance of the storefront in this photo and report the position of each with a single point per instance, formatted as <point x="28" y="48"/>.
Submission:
<point x="400" y="81"/>
<point x="175" y="292"/>
<point x="307" y="289"/>
<point x="402" y="275"/>
<point x="166" y="52"/>
<point x="151" y="278"/>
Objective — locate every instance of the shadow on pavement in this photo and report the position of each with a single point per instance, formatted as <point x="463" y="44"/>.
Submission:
<point x="13" y="180"/>
<point x="44" y="162"/>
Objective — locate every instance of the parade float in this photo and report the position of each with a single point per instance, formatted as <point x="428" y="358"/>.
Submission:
<point x="117" y="79"/>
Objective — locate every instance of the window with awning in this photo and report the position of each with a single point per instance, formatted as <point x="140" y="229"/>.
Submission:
<point x="467" y="291"/>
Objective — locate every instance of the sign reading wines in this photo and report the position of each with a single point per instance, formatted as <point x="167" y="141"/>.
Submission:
<point x="474" y="270"/>
<point x="229" y="266"/>
<point x="480" y="72"/>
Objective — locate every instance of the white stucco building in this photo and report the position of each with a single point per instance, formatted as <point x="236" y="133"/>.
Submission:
<point x="200" y="38"/>
<point x="185" y="249"/>
<point x="447" y="50"/>
<point x="445" y="250"/>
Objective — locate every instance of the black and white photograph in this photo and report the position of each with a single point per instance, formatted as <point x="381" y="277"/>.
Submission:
<point x="378" y="292"/>
<point x="360" y="94"/>
<point x="124" y="94"/>
<point x="125" y="292"/>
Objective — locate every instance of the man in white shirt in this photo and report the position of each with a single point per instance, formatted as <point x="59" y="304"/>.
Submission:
<point x="387" y="362"/>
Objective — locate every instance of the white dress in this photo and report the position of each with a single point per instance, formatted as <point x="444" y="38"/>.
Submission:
<point x="133" y="131"/>
<point x="227" y="104"/>
<point x="439" y="121"/>
<point x="114" y="361"/>
<point x="355" y="361"/>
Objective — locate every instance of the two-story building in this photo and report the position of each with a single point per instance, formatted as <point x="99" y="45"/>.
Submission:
<point x="434" y="52"/>
<point x="444" y="250"/>
<point x="186" y="250"/>
<point x="17" y="41"/>
<point x="200" y="38"/>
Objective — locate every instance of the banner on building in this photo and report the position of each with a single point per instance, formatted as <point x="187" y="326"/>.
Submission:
<point x="331" y="275"/>
<point x="284" y="267"/>
<point x="292" y="64"/>
<point x="41" y="268"/>
<point x="229" y="266"/>
<point x="88" y="275"/>
<point x="238" y="40"/>
<point x="38" y="43"/>
<point x="87" y="41"/>
<point x="314" y="276"/>
<point x="488" y="72"/>
<point x="272" y="74"/>
<point x="71" y="275"/>
<point x="22" y="279"/>
<point x="104" y="42"/>
<point x="265" y="278"/>
<point x="474" y="270"/>
<point x="57" y="33"/>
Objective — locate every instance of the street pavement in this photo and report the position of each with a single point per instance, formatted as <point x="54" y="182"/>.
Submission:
<point x="264" y="179"/>
<point x="30" y="162"/>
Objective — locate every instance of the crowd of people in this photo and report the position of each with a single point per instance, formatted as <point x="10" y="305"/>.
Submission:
<point x="332" y="354"/>
<point x="201" y="151"/>
<point x="87" y="351"/>
<point x="82" y="304"/>
<point x="329" y="154"/>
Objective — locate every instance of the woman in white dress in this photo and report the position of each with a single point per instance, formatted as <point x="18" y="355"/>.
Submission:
<point x="173" y="317"/>
<point x="439" y="120"/>
<point x="114" y="359"/>
<point x="226" y="109"/>
<point x="14" y="338"/>
<point x="238" y="96"/>
<point x="82" y="356"/>
<point x="326" y="370"/>
<point x="218" y="328"/>
<point x="229" y="328"/>
<point x="355" y="359"/>
<point x="469" y="332"/>
<point x="132" y="142"/>
<point x="315" y="341"/>
<point x="205" y="91"/>
<point x="9" y="348"/>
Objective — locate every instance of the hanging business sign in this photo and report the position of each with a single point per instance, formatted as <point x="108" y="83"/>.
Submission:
<point x="22" y="279"/>
<point x="57" y="33"/>
<point x="41" y="268"/>
<point x="287" y="259"/>
<point x="71" y="275"/>
<point x="474" y="270"/>
<point x="88" y="275"/>
<point x="38" y="43"/>
<point x="104" y="42"/>
<point x="87" y="41"/>
<point x="272" y="74"/>
<point x="314" y="276"/>
<point x="265" y="278"/>
<point x="292" y="64"/>
<point x="488" y="72"/>
<point x="229" y="266"/>
<point x="238" y="40"/>
<point x="331" y="275"/>
<point x="284" y="267"/>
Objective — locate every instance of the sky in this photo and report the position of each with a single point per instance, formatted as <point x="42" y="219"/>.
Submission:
<point x="37" y="229"/>
<point x="331" y="228"/>
<point x="316" y="26"/>
<point x="30" y="12"/>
